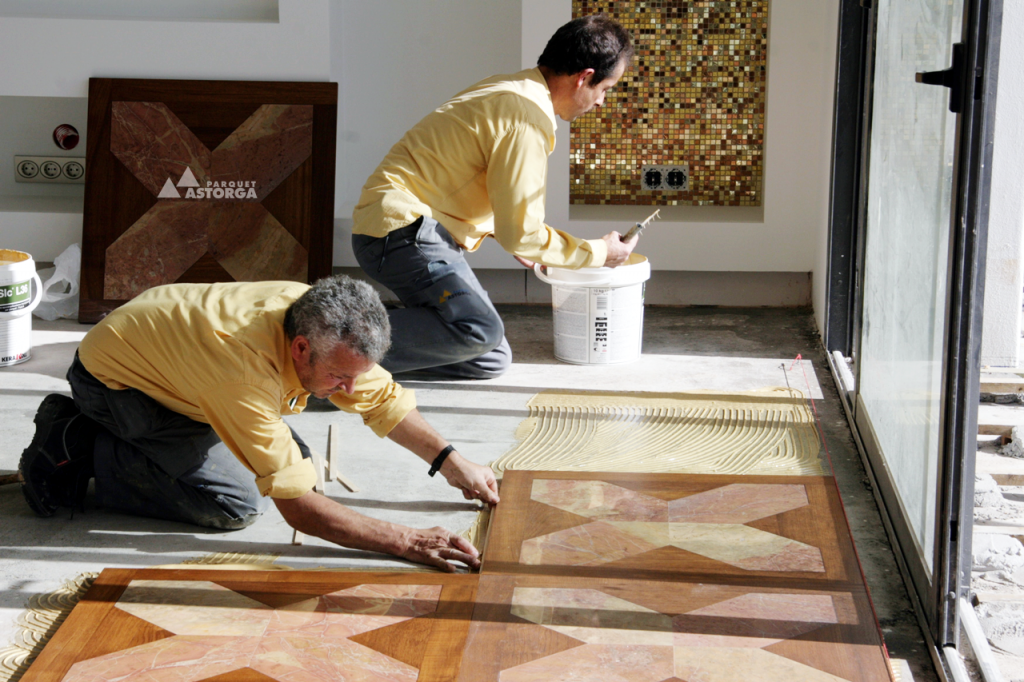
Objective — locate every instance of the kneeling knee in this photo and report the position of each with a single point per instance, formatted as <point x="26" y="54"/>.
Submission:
<point x="225" y="522"/>
<point x="485" y="336"/>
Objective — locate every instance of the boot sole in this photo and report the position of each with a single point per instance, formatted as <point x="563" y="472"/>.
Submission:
<point x="52" y="408"/>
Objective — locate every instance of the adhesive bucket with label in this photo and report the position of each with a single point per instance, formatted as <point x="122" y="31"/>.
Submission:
<point x="598" y="312"/>
<point x="18" y="298"/>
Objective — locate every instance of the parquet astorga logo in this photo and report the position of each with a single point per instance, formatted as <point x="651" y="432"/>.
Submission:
<point x="229" y="189"/>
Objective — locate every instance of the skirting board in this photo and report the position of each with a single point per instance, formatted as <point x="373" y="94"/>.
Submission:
<point x="733" y="289"/>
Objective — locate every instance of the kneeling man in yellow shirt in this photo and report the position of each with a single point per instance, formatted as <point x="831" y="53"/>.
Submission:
<point x="177" y="408"/>
<point x="477" y="168"/>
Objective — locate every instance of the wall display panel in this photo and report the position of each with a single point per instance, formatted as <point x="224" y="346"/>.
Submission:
<point x="694" y="96"/>
<point x="205" y="181"/>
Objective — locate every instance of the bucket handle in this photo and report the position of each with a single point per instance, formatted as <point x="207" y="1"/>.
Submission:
<point x="21" y="312"/>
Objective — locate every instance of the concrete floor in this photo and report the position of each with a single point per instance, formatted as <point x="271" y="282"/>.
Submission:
<point x="684" y="348"/>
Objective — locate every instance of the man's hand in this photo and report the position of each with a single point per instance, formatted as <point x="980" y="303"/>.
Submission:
<point x="522" y="261"/>
<point x="438" y="547"/>
<point x="618" y="250"/>
<point x="476" y="482"/>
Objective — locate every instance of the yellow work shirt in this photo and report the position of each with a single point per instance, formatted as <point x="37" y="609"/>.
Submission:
<point x="478" y="165"/>
<point x="218" y="354"/>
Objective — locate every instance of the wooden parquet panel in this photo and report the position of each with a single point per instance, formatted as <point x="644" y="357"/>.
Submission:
<point x="253" y="626"/>
<point x="587" y="577"/>
<point x="766" y="530"/>
<point x="533" y="628"/>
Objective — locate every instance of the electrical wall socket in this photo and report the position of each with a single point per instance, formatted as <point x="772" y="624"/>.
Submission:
<point x="50" y="169"/>
<point x="674" y="177"/>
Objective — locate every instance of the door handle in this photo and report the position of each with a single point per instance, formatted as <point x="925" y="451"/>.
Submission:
<point x="952" y="78"/>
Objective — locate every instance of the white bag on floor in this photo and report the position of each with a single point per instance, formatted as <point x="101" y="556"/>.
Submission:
<point x="60" y="291"/>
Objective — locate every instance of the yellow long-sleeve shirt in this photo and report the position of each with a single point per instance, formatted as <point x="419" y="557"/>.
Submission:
<point x="218" y="354"/>
<point x="478" y="165"/>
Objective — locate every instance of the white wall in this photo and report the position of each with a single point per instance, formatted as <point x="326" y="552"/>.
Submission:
<point x="56" y="57"/>
<point x="1004" y="281"/>
<point x="396" y="61"/>
<point x="798" y="127"/>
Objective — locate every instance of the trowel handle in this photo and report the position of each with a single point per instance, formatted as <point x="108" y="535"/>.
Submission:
<point x="635" y="230"/>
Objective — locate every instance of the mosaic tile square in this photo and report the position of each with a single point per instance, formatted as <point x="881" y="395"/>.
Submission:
<point x="694" y="95"/>
<point x="670" y="526"/>
<point x="534" y="628"/>
<point x="192" y="626"/>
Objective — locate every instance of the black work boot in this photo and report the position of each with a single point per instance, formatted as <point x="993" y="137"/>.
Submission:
<point x="57" y="465"/>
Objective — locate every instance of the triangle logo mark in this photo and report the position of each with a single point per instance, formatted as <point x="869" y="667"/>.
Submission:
<point x="188" y="179"/>
<point x="168" y="191"/>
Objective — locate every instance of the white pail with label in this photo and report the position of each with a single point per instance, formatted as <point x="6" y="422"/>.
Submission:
<point x="598" y="312"/>
<point x="18" y="298"/>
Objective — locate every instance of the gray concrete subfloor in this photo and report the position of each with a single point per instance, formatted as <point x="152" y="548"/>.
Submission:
<point x="725" y="349"/>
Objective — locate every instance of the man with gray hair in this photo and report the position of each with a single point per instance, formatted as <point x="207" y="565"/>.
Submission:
<point x="178" y="398"/>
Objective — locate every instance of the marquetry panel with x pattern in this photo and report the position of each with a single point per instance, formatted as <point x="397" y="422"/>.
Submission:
<point x="588" y="577"/>
<point x="205" y="181"/>
<point x="260" y="626"/>
<point x="768" y="529"/>
<point x="530" y="628"/>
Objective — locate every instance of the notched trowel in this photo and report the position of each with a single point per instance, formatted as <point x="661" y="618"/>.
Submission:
<point x="639" y="227"/>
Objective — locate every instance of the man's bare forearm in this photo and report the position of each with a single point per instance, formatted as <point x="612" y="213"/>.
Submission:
<point x="416" y="435"/>
<point x="322" y="517"/>
<point x="317" y="515"/>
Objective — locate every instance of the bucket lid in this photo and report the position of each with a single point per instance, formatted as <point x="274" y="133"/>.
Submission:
<point x="635" y="270"/>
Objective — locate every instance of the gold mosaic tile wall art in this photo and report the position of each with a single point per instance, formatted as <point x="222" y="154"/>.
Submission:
<point x="694" y="95"/>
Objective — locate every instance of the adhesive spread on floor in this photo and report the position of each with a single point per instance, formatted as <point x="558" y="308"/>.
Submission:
<point x="37" y="624"/>
<point x="767" y="432"/>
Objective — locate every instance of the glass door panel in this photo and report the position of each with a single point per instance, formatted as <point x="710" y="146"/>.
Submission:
<point x="907" y="235"/>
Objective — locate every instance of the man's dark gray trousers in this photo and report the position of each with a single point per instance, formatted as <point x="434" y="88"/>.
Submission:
<point x="151" y="461"/>
<point x="449" y="326"/>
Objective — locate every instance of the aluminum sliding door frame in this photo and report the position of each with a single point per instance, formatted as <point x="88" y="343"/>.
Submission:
<point x="935" y="599"/>
<point x="982" y="29"/>
<point x="854" y="59"/>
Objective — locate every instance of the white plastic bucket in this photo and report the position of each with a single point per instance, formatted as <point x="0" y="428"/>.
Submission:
<point x="18" y="298"/>
<point x="598" y="312"/>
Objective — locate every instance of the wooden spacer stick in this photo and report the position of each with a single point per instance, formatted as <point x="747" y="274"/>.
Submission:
<point x="318" y="464"/>
<point x="333" y="447"/>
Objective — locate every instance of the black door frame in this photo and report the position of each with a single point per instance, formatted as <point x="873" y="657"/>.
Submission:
<point x="936" y="600"/>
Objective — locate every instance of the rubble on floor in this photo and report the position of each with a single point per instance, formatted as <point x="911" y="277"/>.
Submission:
<point x="997" y="580"/>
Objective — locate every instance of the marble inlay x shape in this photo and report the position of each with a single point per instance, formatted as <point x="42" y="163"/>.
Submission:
<point x="709" y="523"/>
<point x="218" y="631"/>
<point x="207" y="202"/>
<point x="628" y="642"/>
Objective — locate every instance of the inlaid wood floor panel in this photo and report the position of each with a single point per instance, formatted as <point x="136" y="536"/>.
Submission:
<point x="538" y="628"/>
<point x="240" y="626"/>
<point x="776" y="530"/>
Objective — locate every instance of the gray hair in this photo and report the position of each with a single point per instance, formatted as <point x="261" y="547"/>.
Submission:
<point x="340" y="310"/>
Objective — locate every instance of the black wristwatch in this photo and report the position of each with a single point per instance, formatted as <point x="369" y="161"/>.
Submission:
<point x="439" y="460"/>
